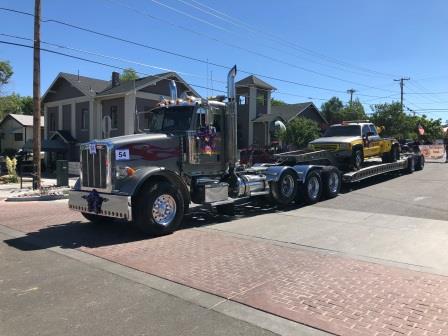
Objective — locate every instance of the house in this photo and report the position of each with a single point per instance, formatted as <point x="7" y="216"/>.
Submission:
<point x="16" y="130"/>
<point x="257" y="116"/>
<point x="79" y="109"/>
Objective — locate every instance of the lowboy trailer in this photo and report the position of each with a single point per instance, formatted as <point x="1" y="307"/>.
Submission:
<point x="190" y="156"/>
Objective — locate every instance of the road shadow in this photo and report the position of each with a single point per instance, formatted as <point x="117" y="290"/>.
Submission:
<point x="77" y="234"/>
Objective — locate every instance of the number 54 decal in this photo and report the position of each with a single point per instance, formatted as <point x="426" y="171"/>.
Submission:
<point x="122" y="154"/>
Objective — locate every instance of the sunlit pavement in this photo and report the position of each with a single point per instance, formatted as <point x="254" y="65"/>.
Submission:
<point x="370" y="262"/>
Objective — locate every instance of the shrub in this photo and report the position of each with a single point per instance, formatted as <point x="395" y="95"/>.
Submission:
<point x="11" y="166"/>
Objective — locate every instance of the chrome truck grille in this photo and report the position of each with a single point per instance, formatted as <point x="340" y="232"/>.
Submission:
<point x="95" y="166"/>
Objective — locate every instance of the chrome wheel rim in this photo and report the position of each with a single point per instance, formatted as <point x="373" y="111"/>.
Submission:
<point x="287" y="185"/>
<point x="333" y="182"/>
<point x="164" y="209"/>
<point x="313" y="187"/>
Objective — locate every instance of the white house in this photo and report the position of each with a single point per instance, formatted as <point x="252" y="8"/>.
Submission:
<point x="16" y="130"/>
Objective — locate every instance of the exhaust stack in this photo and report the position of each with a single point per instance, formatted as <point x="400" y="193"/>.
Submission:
<point x="231" y="150"/>
<point x="173" y="90"/>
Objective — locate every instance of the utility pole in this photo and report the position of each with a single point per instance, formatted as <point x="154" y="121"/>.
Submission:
<point x="351" y="92"/>
<point x="36" y="95"/>
<point x="401" y="80"/>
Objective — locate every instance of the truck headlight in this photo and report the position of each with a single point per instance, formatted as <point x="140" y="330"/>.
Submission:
<point x="310" y="146"/>
<point x="344" y="146"/>
<point x="126" y="171"/>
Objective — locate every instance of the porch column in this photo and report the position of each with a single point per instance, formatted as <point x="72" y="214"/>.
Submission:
<point x="252" y="113"/>
<point x="129" y="113"/>
<point x="59" y="117"/>
<point x="73" y="119"/>
<point x="92" y="122"/>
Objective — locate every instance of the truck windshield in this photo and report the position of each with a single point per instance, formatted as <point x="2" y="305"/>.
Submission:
<point x="348" y="130"/>
<point x="170" y="119"/>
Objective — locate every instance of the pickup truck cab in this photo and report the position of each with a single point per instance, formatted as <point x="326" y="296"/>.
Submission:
<point x="353" y="142"/>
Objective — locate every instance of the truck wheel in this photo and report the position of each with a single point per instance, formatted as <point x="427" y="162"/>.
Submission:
<point x="420" y="164"/>
<point x="97" y="219"/>
<point x="310" y="190"/>
<point x="331" y="182"/>
<point x="357" y="158"/>
<point x="285" y="189"/>
<point x="159" y="209"/>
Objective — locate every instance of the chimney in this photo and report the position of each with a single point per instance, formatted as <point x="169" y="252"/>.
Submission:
<point x="115" y="79"/>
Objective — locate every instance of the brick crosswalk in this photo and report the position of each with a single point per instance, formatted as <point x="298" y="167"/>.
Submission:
<point x="340" y="295"/>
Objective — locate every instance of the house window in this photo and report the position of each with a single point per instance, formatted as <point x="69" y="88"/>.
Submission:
<point x="18" y="136"/>
<point x="52" y="122"/>
<point x="84" y="119"/>
<point x="114" y="117"/>
<point x="261" y="100"/>
<point x="243" y="100"/>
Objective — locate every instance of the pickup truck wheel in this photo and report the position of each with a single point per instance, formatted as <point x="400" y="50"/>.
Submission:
<point x="357" y="158"/>
<point x="285" y="189"/>
<point x="395" y="154"/>
<point x="331" y="180"/>
<point x="159" y="209"/>
<point x="310" y="190"/>
<point x="97" y="219"/>
<point x="420" y="164"/>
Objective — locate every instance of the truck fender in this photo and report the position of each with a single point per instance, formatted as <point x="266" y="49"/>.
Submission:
<point x="303" y="170"/>
<point x="273" y="172"/>
<point x="133" y="185"/>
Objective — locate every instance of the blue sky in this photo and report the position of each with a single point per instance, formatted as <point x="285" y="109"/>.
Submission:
<point x="332" y="45"/>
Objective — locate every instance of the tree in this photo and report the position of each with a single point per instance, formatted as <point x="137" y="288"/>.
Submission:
<point x="353" y="111"/>
<point x="128" y="74"/>
<point x="277" y="102"/>
<point x="15" y="103"/>
<point x="331" y="110"/>
<point x="5" y="72"/>
<point x="402" y="126"/>
<point x="300" y="132"/>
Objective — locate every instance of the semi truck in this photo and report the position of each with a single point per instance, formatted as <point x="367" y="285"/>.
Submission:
<point x="190" y="156"/>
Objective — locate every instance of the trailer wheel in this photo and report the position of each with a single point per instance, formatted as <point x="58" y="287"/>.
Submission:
<point x="411" y="165"/>
<point x="285" y="189"/>
<point x="331" y="181"/>
<point x="310" y="190"/>
<point x="97" y="219"/>
<point x="420" y="164"/>
<point x="357" y="158"/>
<point x="159" y="209"/>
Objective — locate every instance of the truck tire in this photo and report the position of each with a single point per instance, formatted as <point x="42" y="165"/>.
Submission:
<point x="420" y="163"/>
<point x="310" y="190"/>
<point x="284" y="190"/>
<point x="97" y="219"/>
<point x="392" y="156"/>
<point x="331" y="181"/>
<point x="357" y="158"/>
<point x="159" y="209"/>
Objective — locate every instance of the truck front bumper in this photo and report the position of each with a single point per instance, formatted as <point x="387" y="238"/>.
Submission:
<point x="108" y="205"/>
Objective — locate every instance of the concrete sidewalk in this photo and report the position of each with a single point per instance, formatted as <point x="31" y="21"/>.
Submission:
<point x="12" y="189"/>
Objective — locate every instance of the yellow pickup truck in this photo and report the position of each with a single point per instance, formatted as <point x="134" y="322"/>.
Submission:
<point x="352" y="142"/>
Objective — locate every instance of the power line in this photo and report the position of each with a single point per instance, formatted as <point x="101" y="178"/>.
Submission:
<point x="270" y="57"/>
<point x="99" y="63"/>
<point x="240" y="23"/>
<point x="178" y="54"/>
